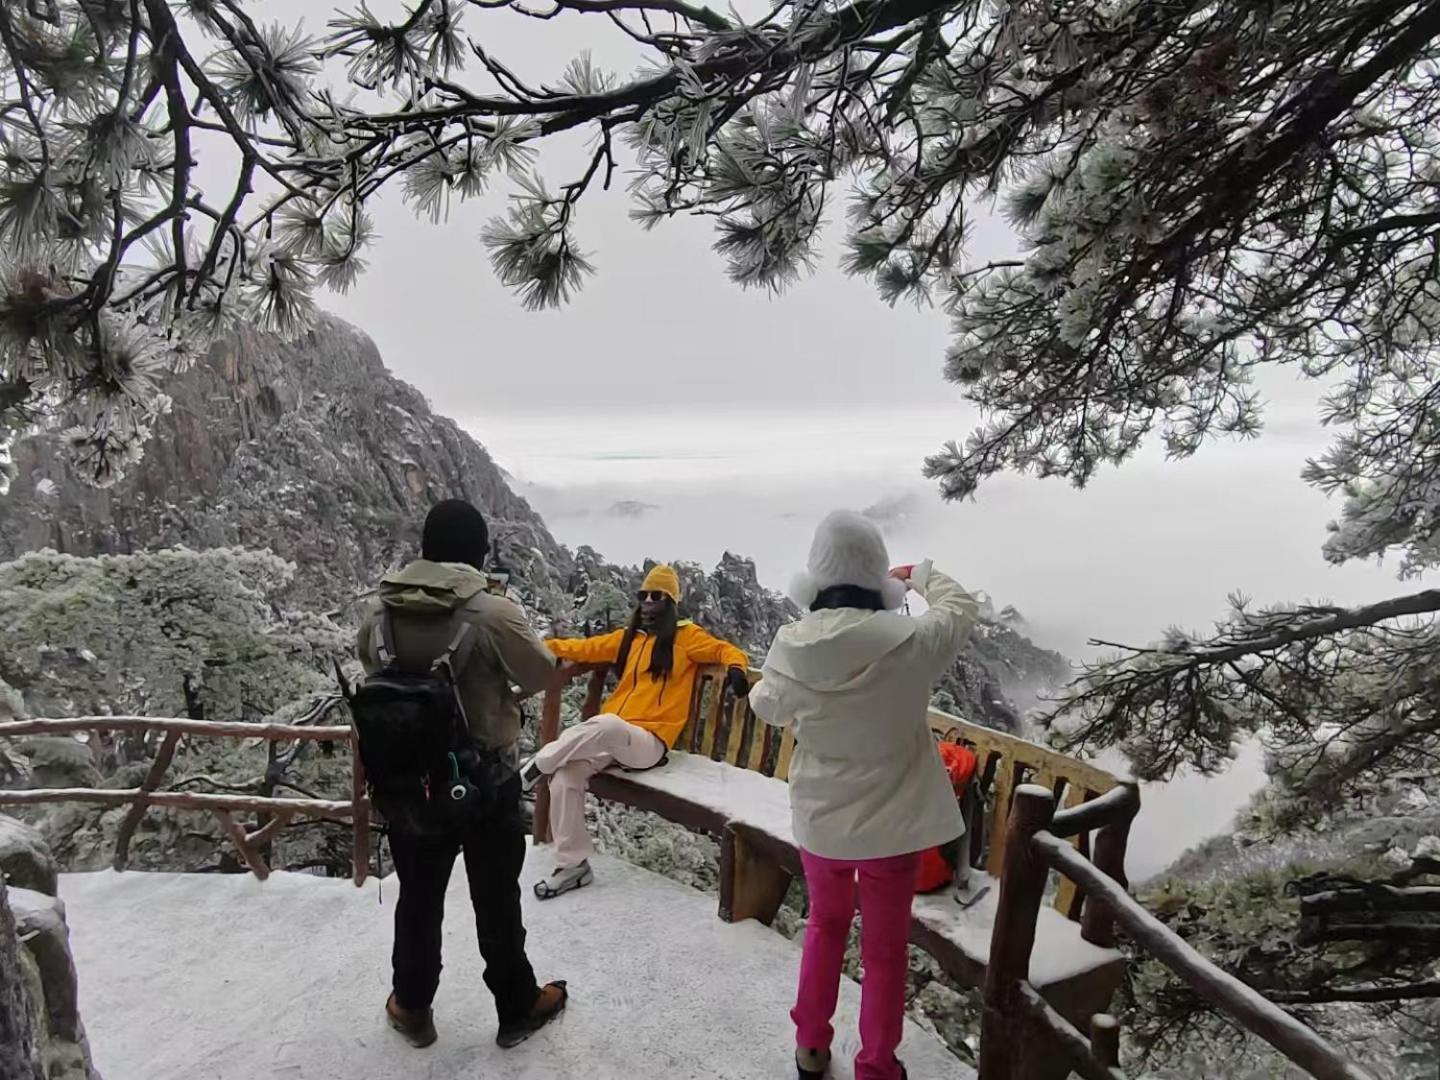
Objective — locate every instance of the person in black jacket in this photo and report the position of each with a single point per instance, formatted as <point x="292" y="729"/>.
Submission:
<point x="415" y="622"/>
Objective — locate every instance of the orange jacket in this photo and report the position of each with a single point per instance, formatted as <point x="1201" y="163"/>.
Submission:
<point x="935" y="871"/>
<point x="658" y="705"/>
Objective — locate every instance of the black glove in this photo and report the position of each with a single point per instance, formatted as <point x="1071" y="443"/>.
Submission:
<point x="738" y="682"/>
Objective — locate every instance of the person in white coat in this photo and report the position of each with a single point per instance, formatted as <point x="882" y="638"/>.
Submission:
<point x="868" y="792"/>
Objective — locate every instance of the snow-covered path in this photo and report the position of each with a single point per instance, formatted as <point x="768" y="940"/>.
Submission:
<point x="208" y="977"/>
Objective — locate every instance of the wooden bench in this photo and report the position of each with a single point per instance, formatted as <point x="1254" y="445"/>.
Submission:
<point x="726" y="778"/>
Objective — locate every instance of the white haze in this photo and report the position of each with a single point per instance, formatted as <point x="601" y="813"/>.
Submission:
<point x="1149" y="545"/>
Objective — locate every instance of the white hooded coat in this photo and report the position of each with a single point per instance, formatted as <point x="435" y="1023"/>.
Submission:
<point x="866" y="780"/>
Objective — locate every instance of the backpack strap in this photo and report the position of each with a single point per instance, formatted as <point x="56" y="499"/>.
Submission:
<point x="384" y="638"/>
<point x="457" y="653"/>
<point x="452" y="662"/>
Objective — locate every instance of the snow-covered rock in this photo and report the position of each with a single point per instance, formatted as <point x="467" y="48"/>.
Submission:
<point x="1413" y="800"/>
<point x="19" y="1052"/>
<point x="39" y="989"/>
<point x="1396" y="857"/>
<point x="25" y="860"/>
<point x="58" y="761"/>
<point x="310" y="448"/>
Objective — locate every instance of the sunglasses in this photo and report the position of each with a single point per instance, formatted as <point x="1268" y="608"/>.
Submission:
<point x="656" y="597"/>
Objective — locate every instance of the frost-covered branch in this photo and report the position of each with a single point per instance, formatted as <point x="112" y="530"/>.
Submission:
<point x="1200" y="192"/>
<point x="1341" y="697"/>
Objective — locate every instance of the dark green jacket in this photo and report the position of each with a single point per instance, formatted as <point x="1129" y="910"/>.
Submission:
<point x="505" y="653"/>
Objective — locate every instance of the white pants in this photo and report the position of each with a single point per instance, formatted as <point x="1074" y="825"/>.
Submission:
<point x="578" y="754"/>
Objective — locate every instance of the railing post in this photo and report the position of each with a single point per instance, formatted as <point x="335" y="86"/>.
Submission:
<point x="549" y="732"/>
<point x="1105" y="1039"/>
<point x="248" y="855"/>
<point x="1097" y="924"/>
<point x="594" y="694"/>
<point x="163" y="757"/>
<point x="1022" y="890"/>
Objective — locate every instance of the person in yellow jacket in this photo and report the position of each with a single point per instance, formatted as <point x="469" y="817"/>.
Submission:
<point x="658" y="657"/>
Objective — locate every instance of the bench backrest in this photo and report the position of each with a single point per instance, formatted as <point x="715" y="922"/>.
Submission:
<point x="1005" y="762"/>
<point x="734" y="734"/>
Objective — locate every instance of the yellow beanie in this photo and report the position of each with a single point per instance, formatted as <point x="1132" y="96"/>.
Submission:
<point x="663" y="579"/>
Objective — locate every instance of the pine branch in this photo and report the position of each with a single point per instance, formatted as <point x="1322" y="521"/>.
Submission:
<point x="1322" y="625"/>
<point x="824" y="35"/>
<point x="702" y="16"/>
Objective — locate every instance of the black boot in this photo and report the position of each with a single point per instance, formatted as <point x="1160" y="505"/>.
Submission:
<point x="812" y="1064"/>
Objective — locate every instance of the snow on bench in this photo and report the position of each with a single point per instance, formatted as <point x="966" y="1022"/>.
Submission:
<point x="720" y="799"/>
<point x="713" y="793"/>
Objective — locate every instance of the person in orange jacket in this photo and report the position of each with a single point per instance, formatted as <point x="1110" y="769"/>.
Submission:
<point x="658" y="656"/>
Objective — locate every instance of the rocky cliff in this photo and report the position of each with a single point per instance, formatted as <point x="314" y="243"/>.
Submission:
<point x="310" y="448"/>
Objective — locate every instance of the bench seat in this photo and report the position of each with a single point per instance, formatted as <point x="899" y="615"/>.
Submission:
<point x="750" y="813"/>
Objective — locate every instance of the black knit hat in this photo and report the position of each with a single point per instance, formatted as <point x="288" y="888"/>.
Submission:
<point x="455" y="532"/>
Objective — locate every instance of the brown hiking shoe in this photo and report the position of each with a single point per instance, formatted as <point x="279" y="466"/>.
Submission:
<point x="417" y="1026"/>
<point x="550" y="1004"/>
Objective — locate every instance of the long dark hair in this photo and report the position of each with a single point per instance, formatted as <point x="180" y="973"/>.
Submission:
<point x="662" y="657"/>
<point x="848" y="596"/>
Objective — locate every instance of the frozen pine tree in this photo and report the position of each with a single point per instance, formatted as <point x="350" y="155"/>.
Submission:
<point x="166" y="633"/>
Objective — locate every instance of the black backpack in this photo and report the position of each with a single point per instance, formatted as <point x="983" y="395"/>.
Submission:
<point x="426" y="773"/>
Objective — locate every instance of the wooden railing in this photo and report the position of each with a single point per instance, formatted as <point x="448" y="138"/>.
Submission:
<point x="1040" y="807"/>
<point x="1015" y="1013"/>
<point x="1004" y="763"/>
<point x="273" y="813"/>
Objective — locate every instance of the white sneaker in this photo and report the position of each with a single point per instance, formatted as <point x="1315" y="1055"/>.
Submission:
<point x="564" y="879"/>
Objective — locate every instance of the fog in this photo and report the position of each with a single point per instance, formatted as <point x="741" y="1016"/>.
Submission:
<point x="1148" y="545"/>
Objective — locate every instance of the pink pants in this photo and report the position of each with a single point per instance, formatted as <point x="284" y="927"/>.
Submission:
<point x="886" y="887"/>
<point x="578" y="754"/>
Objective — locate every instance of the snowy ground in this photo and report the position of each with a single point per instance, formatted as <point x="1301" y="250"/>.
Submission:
<point x="208" y="977"/>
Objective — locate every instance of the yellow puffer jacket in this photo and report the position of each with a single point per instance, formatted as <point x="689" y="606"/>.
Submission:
<point x="658" y="705"/>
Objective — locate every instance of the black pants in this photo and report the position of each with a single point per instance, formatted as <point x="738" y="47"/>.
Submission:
<point x="494" y="854"/>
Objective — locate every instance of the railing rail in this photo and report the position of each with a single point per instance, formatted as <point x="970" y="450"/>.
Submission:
<point x="1117" y="805"/>
<point x="213" y="728"/>
<point x="181" y="800"/>
<point x="249" y="844"/>
<point x="1014" y="1011"/>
